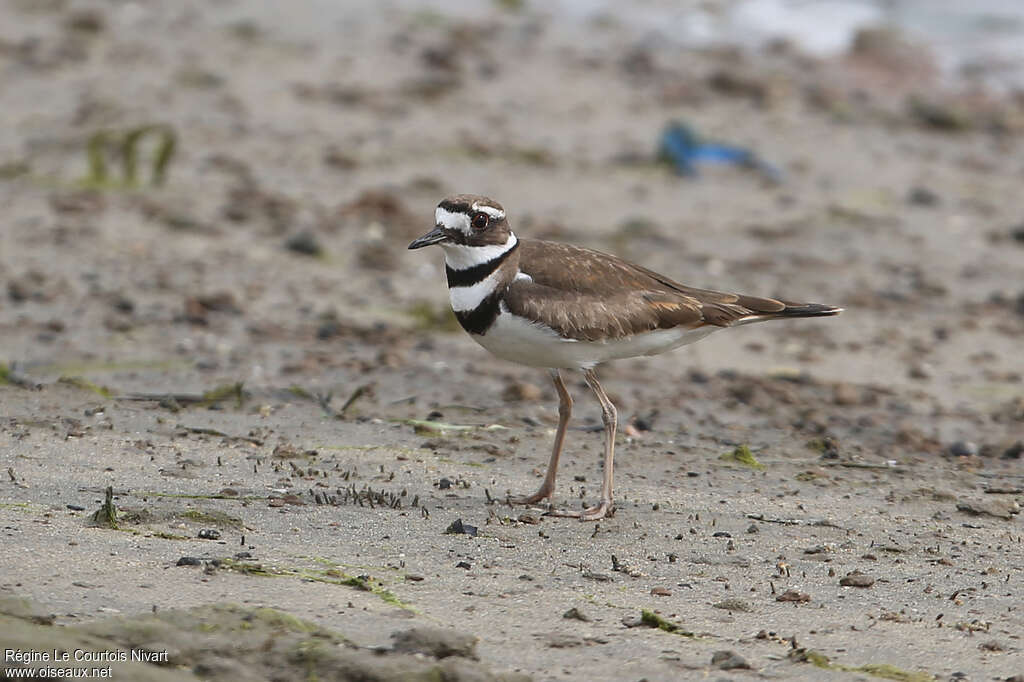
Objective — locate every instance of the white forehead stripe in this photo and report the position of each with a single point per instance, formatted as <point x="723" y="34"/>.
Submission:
<point x="452" y="220"/>
<point x="461" y="257"/>
<point x="495" y="213"/>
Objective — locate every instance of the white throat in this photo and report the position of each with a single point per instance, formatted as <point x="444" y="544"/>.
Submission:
<point x="462" y="257"/>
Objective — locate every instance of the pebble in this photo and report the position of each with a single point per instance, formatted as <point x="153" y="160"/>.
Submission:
<point x="1003" y="509"/>
<point x="304" y="243"/>
<point x="435" y="642"/>
<point x="521" y="391"/>
<point x="963" y="448"/>
<point x="457" y="527"/>
<point x="734" y="605"/>
<point x="856" y="579"/>
<point x="576" y="614"/>
<point x="793" y="595"/>
<point x="729" y="660"/>
<point x="919" y="370"/>
<point x="845" y="394"/>
<point x="922" y="196"/>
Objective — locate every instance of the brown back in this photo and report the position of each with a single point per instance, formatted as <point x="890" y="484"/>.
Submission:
<point x="588" y="295"/>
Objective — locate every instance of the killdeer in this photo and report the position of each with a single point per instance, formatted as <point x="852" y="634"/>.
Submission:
<point x="559" y="306"/>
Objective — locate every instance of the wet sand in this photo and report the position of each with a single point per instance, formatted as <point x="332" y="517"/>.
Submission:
<point x="308" y="152"/>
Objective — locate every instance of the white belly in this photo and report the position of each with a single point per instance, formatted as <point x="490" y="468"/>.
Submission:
<point x="519" y="340"/>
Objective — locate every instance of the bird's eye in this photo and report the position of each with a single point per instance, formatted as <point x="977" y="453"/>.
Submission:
<point x="480" y="221"/>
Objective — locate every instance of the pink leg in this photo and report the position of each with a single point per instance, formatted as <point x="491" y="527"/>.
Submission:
<point x="604" y="507"/>
<point x="547" y="488"/>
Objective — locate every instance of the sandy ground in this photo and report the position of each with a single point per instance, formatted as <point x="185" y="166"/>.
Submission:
<point x="310" y="148"/>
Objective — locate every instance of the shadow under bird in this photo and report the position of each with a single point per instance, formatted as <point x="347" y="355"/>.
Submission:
<point x="559" y="306"/>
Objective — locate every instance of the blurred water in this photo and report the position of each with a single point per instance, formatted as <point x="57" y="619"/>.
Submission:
<point x="977" y="40"/>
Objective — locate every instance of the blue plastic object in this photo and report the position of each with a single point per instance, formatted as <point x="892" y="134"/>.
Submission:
<point x="681" y="147"/>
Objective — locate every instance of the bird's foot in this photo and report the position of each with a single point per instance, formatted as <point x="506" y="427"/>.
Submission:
<point x="542" y="494"/>
<point x="605" y="509"/>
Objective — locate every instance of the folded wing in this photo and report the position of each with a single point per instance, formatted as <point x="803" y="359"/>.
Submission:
<point x="589" y="296"/>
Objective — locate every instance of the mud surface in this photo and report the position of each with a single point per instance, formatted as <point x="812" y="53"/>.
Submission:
<point x="275" y="392"/>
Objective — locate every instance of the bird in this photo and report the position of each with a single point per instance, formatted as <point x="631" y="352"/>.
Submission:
<point x="564" y="307"/>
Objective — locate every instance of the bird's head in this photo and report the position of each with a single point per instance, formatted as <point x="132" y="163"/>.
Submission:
<point x="467" y="221"/>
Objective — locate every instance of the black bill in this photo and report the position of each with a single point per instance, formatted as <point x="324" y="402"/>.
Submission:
<point x="435" y="236"/>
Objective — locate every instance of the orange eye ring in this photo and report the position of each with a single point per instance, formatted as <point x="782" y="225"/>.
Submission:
<point x="480" y="221"/>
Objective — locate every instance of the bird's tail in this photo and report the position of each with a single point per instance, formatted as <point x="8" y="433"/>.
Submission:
<point x="807" y="310"/>
<point x="792" y="310"/>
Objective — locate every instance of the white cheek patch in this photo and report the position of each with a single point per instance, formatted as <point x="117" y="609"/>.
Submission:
<point x="453" y="221"/>
<point x="495" y="213"/>
<point x="461" y="257"/>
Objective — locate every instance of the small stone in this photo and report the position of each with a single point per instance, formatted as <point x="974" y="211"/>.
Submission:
<point x="740" y="605"/>
<point x="1003" y="509"/>
<point x="464" y="565"/>
<point x="721" y="534"/>
<point x="209" y="534"/>
<point x="661" y="592"/>
<point x="435" y="642"/>
<point x="457" y="527"/>
<point x="919" y="370"/>
<point x="963" y="448"/>
<point x="85" y="21"/>
<point x="576" y="614"/>
<point x="729" y="660"/>
<point x="753" y="528"/>
<point x="856" y="579"/>
<point x="922" y="196"/>
<point x="189" y="561"/>
<point x="304" y="243"/>
<point x="793" y="595"/>
<point x="599" y="577"/>
<point x="845" y="394"/>
<point x="521" y="391"/>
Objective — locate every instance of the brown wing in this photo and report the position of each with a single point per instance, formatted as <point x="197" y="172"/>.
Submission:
<point x="589" y="295"/>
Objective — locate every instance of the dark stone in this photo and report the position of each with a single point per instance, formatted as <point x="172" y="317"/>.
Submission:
<point x="435" y="642"/>
<point x="729" y="660"/>
<point x="922" y="196"/>
<point x="304" y="243"/>
<point x="963" y="448"/>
